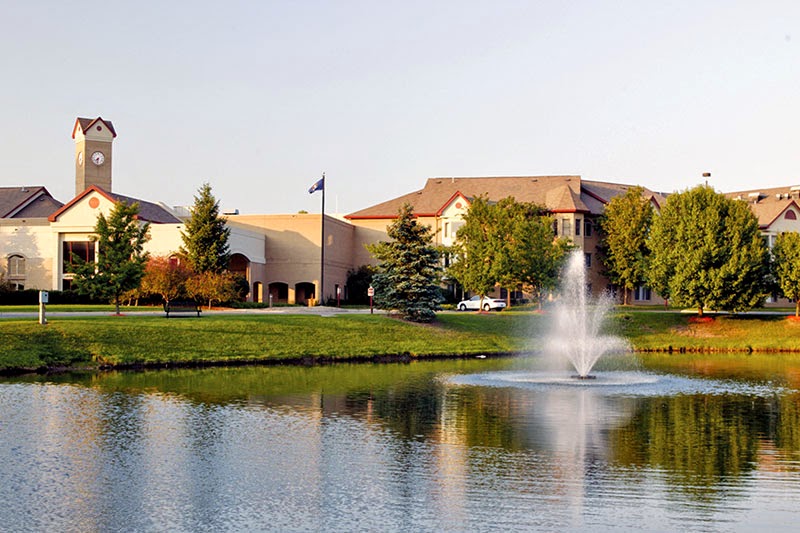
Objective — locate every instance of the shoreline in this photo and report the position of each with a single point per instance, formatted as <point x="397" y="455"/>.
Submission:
<point x="93" y="341"/>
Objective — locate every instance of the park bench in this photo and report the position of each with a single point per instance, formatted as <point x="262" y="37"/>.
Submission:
<point x="181" y="308"/>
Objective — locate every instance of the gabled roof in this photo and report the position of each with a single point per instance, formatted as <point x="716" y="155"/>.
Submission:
<point x="148" y="211"/>
<point x="29" y="202"/>
<point x="86" y="123"/>
<point x="456" y="196"/>
<point x="768" y="204"/>
<point x="560" y="194"/>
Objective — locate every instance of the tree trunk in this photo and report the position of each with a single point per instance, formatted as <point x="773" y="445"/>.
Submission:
<point x="797" y="308"/>
<point x="508" y="297"/>
<point x="700" y="311"/>
<point x="624" y="295"/>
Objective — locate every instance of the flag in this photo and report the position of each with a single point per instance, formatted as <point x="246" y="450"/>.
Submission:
<point x="318" y="186"/>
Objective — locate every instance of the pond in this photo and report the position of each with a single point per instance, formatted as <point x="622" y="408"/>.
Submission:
<point x="679" y="443"/>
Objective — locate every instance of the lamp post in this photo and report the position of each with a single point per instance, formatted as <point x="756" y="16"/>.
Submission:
<point x="706" y="175"/>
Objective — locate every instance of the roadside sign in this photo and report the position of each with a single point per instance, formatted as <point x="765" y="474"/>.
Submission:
<point x="371" y="291"/>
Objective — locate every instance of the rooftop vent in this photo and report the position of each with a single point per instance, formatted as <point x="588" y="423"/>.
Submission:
<point x="755" y="196"/>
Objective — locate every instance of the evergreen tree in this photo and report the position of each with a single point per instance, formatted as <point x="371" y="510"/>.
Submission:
<point x="707" y="252"/>
<point x="625" y="225"/>
<point x="205" y="238"/>
<point x="786" y="258"/>
<point x="358" y="283"/>
<point x="408" y="271"/>
<point x="120" y="261"/>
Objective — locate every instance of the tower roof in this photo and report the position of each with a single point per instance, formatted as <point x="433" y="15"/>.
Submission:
<point x="85" y="124"/>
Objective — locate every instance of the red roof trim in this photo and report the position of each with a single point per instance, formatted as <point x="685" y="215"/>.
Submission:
<point x="81" y="196"/>
<point x="450" y="201"/>
<point x="92" y="123"/>
<point x="790" y="204"/>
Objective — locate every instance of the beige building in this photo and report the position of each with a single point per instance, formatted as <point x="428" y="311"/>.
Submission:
<point x="574" y="203"/>
<point x="39" y="235"/>
<point x="280" y="255"/>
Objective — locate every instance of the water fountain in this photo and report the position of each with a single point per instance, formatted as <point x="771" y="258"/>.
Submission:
<point x="576" y="339"/>
<point x="576" y="335"/>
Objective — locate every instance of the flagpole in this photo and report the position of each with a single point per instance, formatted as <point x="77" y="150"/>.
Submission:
<point x="321" y="298"/>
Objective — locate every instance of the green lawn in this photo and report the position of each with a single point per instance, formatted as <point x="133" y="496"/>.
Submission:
<point x="151" y="339"/>
<point x="229" y="338"/>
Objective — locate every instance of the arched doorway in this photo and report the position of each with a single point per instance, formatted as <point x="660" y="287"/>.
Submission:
<point x="279" y="292"/>
<point x="303" y="291"/>
<point x="239" y="265"/>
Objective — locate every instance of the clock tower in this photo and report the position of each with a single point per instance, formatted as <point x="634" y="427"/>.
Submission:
<point x="93" y="139"/>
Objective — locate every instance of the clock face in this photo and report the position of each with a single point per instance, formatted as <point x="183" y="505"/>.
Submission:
<point x="80" y="158"/>
<point x="98" y="158"/>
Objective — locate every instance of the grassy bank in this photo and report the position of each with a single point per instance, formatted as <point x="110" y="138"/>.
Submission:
<point x="649" y="331"/>
<point x="153" y="340"/>
<point x="132" y="340"/>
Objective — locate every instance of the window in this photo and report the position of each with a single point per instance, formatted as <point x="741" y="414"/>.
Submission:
<point x="81" y="249"/>
<point x="16" y="267"/>
<point x="446" y="229"/>
<point x="588" y="258"/>
<point x="587" y="228"/>
<point x="641" y="294"/>
<point x="566" y="227"/>
<point x="555" y="228"/>
<point x="790" y="215"/>
<point x="577" y="227"/>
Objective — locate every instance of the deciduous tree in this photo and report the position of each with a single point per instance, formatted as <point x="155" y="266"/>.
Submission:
<point x="786" y="260"/>
<point x="166" y="277"/>
<point x="626" y="224"/>
<point x="707" y="252"/>
<point x="212" y="287"/>
<point x="120" y="262"/>
<point x="407" y="277"/>
<point x="528" y="255"/>
<point x="476" y="250"/>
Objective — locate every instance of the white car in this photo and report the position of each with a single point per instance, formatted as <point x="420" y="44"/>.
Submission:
<point x="475" y="302"/>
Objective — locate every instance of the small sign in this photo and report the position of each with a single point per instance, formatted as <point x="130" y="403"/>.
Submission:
<point x="44" y="296"/>
<point x="371" y="291"/>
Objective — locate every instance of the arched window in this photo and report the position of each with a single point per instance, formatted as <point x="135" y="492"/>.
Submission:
<point x="16" y="266"/>
<point x="790" y="215"/>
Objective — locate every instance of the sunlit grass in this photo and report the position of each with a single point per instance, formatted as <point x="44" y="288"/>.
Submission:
<point x="137" y="339"/>
<point x="141" y="339"/>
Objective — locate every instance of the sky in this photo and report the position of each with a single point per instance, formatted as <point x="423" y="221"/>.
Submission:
<point x="259" y="98"/>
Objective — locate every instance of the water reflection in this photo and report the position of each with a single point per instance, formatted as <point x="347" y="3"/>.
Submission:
<point x="387" y="447"/>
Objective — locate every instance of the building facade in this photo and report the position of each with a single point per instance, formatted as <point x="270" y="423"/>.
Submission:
<point x="281" y="255"/>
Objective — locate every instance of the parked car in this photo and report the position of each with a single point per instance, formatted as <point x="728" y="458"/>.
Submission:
<point x="475" y="302"/>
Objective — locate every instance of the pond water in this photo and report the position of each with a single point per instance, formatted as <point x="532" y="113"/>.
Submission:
<point x="679" y="443"/>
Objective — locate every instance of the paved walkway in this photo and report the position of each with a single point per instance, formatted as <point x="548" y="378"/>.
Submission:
<point x="320" y="310"/>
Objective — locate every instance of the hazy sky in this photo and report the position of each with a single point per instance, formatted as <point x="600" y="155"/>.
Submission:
<point x="259" y="98"/>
